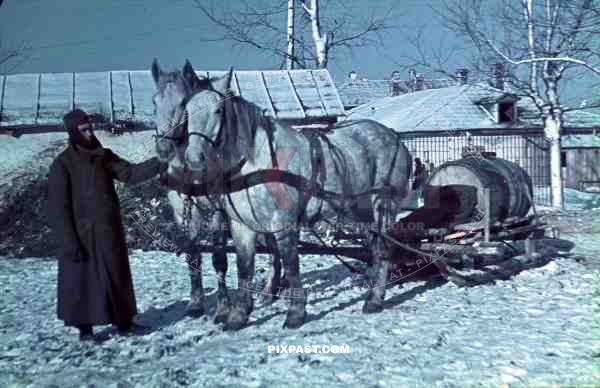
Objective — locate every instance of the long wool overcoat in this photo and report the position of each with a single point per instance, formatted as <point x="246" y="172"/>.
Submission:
<point x="94" y="278"/>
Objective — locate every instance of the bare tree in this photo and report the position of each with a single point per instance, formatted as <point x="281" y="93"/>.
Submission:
<point x="322" y="28"/>
<point x="11" y="58"/>
<point x="542" y="44"/>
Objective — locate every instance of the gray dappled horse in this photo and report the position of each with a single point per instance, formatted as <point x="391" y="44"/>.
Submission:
<point x="173" y="92"/>
<point x="359" y="161"/>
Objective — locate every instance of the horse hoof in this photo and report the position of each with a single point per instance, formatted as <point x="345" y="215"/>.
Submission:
<point x="371" y="308"/>
<point x="236" y="319"/>
<point x="221" y="314"/>
<point x="294" y="321"/>
<point x="268" y="298"/>
<point x="195" y="310"/>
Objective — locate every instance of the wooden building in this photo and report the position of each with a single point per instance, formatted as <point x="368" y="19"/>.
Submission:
<point x="581" y="161"/>
<point x="438" y="124"/>
<point x="37" y="102"/>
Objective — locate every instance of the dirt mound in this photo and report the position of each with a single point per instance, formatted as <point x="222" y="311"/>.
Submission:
<point x="25" y="232"/>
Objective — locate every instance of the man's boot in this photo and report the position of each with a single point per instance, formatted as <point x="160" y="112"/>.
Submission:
<point x="86" y="333"/>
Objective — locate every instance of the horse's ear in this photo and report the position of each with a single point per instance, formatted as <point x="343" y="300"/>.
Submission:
<point x="190" y="75"/>
<point x="223" y="84"/>
<point x="155" y="69"/>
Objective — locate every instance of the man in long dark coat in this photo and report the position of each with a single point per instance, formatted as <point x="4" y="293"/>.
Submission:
<point x="94" y="278"/>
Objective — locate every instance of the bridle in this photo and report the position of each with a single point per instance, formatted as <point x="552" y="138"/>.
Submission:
<point x="183" y="139"/>
<point x="178" y="141"/>
<point x="218" y="141"/>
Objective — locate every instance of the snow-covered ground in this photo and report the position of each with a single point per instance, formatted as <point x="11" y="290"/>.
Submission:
<point x="539" y="328"/>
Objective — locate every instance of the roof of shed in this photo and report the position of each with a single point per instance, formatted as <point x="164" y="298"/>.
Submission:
<point x="459" y="107"/>
<point x="126" y="95"/>
<point x="363" y="91"/>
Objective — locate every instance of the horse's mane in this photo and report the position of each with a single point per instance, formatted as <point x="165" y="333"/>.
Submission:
<point x="242" y="120"/>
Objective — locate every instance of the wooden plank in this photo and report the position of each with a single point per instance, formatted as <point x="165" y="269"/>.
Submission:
<point x="20" y="99"/>
<point x="304" y="248"/>
<point x="308" y="93"/>
<point x="121" y="96"/>
<point x="295" y="95"/>
<point x="252" y="90"/>
<point x="30" y="129"/>
<point x="111" y="105"/>
<point x="263" y="86"/>
<point x="92" y="93"/>
<point x="220" y="73"/>
<point x="37" y="108"/>
<point x="142" y="89"/>
<point x="328" y="92"/>
<point x="280" y="90"/>
<point x="56" y="97"/>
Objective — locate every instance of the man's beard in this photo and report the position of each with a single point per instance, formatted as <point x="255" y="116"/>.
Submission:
<point x="77" y="138"/>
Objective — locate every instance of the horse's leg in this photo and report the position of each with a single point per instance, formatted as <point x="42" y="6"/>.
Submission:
<point x="195" y="307"/>
<point x="219" y="260"/>
<point x="287" y="246"/>
<point x="269" y="294"/>
<point x="244" y="239"/>
<point x="378" y="272"/>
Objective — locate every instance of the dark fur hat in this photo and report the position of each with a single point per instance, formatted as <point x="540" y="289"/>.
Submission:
<point x="74" y="118"/>
<point x="71" y="121"/>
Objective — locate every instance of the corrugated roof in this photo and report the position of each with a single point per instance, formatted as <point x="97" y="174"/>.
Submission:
<point x="456" y="107"/>
<point x="29" y="99"/>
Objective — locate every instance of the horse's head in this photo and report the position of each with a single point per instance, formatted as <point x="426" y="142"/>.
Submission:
<point x="218" y="126"/>
<point x="173" y="91"/>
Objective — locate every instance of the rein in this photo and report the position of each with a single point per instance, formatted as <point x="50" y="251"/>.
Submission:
<point x="261" y="177"/>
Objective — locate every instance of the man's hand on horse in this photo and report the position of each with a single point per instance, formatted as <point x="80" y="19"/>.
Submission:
<point x="162" y="167"/>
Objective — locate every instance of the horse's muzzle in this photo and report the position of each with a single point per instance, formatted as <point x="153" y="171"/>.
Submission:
<point x="196" y="162"/>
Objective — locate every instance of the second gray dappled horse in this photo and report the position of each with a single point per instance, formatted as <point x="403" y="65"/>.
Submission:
<point x="226" y="133"/>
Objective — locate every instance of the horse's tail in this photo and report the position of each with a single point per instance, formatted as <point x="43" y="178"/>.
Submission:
<point x="400" y="172"/>
<point x="402" y="164"/>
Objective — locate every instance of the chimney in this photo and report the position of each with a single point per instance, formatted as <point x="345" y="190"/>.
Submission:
<point x="462" y="76"/>
<point x="498" y="76"/>
<point x="419" y="81"/>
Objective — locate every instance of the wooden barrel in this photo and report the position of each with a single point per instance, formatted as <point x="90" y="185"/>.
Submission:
<point x="510" y="187"/>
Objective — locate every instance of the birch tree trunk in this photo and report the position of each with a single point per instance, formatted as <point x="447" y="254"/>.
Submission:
<point x="320" y="39"/>
<point x="552" y="129"/>
<point x="289" y="62"/>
